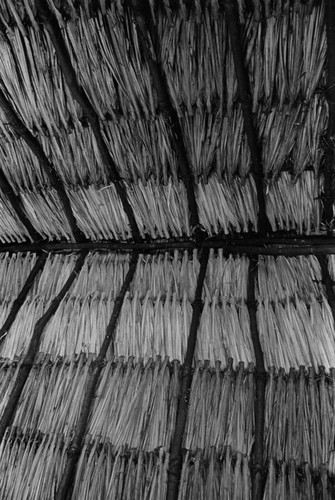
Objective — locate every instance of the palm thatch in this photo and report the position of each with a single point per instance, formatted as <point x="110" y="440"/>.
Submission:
<point x="167" y="301"/>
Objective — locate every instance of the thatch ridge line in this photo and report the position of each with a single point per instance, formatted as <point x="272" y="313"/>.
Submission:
<point x="28" y="360"/>
<point x="16" y="204"/>
<point x="329" y="152"/>
<point x="250" y="245"/>
<point x="176" y="458"/>
<point x="56" y="37"/>
<point x="39" y="265"/>
<point x="147" y="35"/>
<point x="36" y="148"/>
<point x="246" y="104"/>
<point x="260" y="377"/>
<point x="66" y="484"/>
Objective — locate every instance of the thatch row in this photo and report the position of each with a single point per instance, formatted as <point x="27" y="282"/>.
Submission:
<point x="160" y="210"/>
<point x="294" y="317"/>
<point x="136" y="406"/>
<point x="104" y="473"/>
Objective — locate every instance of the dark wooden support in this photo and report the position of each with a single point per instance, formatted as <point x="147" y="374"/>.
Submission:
<point x="66" y="484"/>
<point x="328" y="283"/>
<point x="16" y="204"/>
<point x="176" y="457"/>
<point x="257" y="458"/>
<point x="33" y="347"/>
<point x="78" y="93"/>
<point x="329" y="148"/>
<point x="22" y="131"/>
<point x="233" y="25"/>
<point x="146" y="33"/>
<point x="249" y="244"/>
<point x="39" y="265"/>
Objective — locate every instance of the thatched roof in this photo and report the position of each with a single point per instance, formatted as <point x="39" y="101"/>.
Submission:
<point x="167" y="255"/>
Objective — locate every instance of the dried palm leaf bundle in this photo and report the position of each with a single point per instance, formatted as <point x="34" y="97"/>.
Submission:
<point x="160" y="210"/>
<point x="290" y="53"/>
<point x="51" y="399"/>
<point x="99" y="212"/>
<point x="21" y="167"/>
<point x="203" y="139"/>
<point x="311" y="128"/>
<point x="18" y="337"/>
<point x="76" y="157"/>
<point x="34" y="464"/>
<point x="270" y="57"/>
<point x="225" y="209"/>
<point x="299" y="423"/>
<point x="282" y="277"/>
<point x="163" y="274"/>
<point x="232" y="478"/>
<point x="254" y="62"/>
<point x="78" y="326"/>
<point x="106" y="48"/>
<point x="224" y="332"/>
<point x="192" y="53"/>
<point x="11" y="229"/>
<point x="142" y="149"/>
<point x="278" y="130"/>
<point x="103" y="273"/>
<point x="153" y="327"/>
<point x="14" y="270"/>
<point x="314" y="50"/>
<point x="44" y="103"/>
<point x="220" y="410"/>
<point x="103" y="472"/>
<point x="233" y="156"/>
<point x="293" y="335"/>
<point x="294" y="206"/>
<point x="56" y="271"/>
<point x="135" y="405"/>
<point x="226" y="277"/>
<point x="42" y="208"/>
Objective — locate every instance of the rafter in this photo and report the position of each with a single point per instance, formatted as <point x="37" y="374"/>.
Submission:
<point x="78" y="93"/>
<point x="176" y="458"/>
<point x="146" y="33"/>
<point x="66" y="483"/>
<point x="233" y="25"/>
<point x="258" y="466"/>
<point x="28" y="360"/>
<point x="22" y="131"/>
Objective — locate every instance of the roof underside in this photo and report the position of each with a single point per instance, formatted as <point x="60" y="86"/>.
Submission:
<point x="167" y="301"/>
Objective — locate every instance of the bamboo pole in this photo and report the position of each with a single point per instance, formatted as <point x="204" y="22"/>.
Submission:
<point x="147" y="34"/>
<point x="36" y="148"/>
<point x="250" y="245"/>
<point x="260" y="375"/>
<point x="329" y="150"/>
<point x="176" y="458"/>
<point x="39" y="264"/>
<point x="32" y="350"/>
<point x="16" y="204"/>
<point x="78" y="93"/>
<point x="67" y="481"/>
<point x="246" y="104"/>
